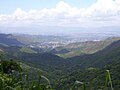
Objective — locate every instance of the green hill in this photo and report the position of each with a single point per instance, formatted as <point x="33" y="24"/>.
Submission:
<point x="91" y="69"/>
<point x="8" y="39"/>
<point x="94" y="78"/>
<point x="98" y="59"/>
<point x="63" y="72"/>
<point x="27" y="50"/>
<point x="88" y="47"/>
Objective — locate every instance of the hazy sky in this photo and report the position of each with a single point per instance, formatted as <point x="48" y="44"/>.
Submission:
<point x="65" y="13"/>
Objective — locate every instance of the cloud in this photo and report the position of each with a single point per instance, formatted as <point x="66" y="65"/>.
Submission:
<point x="101" y="13"/>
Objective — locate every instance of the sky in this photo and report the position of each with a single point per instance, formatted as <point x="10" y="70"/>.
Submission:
<point x="9" y="6"/>
<point x="61" y="13"/>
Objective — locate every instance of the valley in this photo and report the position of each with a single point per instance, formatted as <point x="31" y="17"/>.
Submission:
<point x="65" y="63"/>
<point x="60" y="45"/>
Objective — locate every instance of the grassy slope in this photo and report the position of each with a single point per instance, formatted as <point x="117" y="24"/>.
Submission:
<point x="27" y="50"/>
<point x="88" y="47"/>
<point x="99" y="59"/>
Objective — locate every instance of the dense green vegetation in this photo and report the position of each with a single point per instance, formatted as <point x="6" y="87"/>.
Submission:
<point x="12" y="77"/>
<point x="27" y="50"/>
<point x="17" y="79"/>
<point x="85" y="69"/>
<point x="94" y="78"/>
<point x="99" y="59"/>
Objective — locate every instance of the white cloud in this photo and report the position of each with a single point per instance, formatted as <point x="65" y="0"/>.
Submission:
<point x="103" y="12"/>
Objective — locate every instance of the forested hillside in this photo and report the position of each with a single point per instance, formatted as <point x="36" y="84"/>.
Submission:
<point x="8" y="39"/>
<point x="94" y="78"/>
<point x="100" y="58"/>
<point x="89" y="69"/>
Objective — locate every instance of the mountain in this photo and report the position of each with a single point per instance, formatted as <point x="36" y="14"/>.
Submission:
<point x="61" y="51"/>
<point x="91" y="68"/>
<point x="92" y="61"/>
<point x="87" y="47"/>
<point x="94" y="78"/>
<point x="52" y="65"/>
<point x="15" y="50"/>
<point x="98" y="59"/>
<point x="7" y="39"/>
<point x="31" y="39"/>
<point x="56" y="67"/>
<point x="42" y="60"/>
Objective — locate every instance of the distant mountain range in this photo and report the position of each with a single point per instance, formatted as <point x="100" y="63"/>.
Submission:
<point x="92" y="52"/>
<point x="8" y="39"/>
<point x="90" y="69"/>
<point x="100" y="58"/>
<point x="87" y="47"/>
<point x="94" y="59"/>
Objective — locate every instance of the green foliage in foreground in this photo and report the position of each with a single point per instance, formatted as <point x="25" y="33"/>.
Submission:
<point x="82" y="86"/>
<point x="17" y="80"/>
